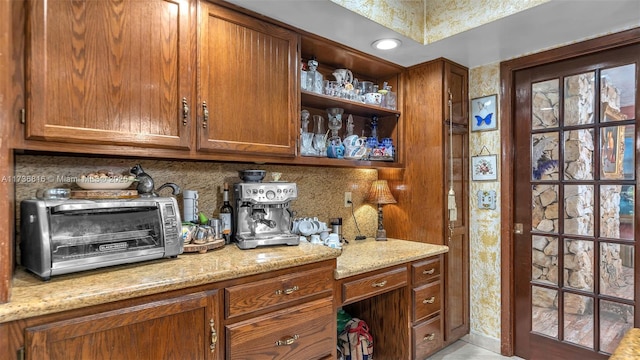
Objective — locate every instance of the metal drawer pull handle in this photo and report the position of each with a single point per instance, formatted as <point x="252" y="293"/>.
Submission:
<point x="205" y="114"/>
<point x="185" y="111"/>
<point x="429" y="337"/>
<point x="214" y="335"/>
<point x="288" y="341"/>
<point x="430" y="300"/>
<point x="287" y="291"/>
<point x="380" y="284"/>
<point x="429" y="272"/>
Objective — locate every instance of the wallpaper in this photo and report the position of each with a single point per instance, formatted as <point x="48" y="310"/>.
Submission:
<point x="450" y="17"/>
<point x="405" y="17"/>
<point x="484" y="232"/>
<point x="427" y="21"/>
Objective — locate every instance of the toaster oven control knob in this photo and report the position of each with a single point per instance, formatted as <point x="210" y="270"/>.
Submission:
<point x="271" y="195"/>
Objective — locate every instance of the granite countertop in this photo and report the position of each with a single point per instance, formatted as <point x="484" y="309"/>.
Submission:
<point x="31" y="296"/>
<point x="361" y="256"/>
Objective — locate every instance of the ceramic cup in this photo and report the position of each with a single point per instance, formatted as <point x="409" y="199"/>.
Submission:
<point x="355" y="152"/>
<point x="333" y="241"/>
<point x="315" y="239"/>
<point x="335" y="151"/>
<point x="306" y="228"/>
<point x="373" y="98"/>
<point x="352" y="141"/>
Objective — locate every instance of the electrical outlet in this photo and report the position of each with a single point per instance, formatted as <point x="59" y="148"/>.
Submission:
<point x="347" y="199"/>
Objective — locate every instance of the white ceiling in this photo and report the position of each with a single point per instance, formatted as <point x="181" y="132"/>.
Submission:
<point x="557" y="22"/>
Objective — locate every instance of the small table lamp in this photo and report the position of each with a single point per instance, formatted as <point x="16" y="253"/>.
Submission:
<point x="380" y="194"/>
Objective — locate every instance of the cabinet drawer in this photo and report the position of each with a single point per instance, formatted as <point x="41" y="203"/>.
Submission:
<point x="427" y="338"/>
<point x="427" y="300"/>
<point x="258" y="295"/>
<point x="373" y="285"/>
<point x="306" y="331"/>
<point x="425" y="271"/>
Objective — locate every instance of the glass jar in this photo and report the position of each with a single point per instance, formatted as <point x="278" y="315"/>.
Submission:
<point x="314" y="78"/>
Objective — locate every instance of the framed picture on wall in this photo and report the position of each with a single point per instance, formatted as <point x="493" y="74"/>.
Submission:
<point x="483" y="113"/>
<point x="484" y="168"/>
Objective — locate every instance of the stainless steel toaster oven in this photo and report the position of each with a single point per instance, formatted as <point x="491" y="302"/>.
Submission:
<point x="65" y="236"/>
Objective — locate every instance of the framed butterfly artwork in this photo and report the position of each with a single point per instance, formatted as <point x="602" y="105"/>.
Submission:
<point x="483" y="113"/>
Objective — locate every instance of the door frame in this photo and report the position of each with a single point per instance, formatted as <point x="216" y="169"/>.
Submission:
<point x="507" y="98"/>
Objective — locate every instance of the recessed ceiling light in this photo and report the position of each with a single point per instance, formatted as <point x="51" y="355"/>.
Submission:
<point x="386" y="44"/>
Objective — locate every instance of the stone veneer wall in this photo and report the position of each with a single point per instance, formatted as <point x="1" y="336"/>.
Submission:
<point x="320" y="189"/>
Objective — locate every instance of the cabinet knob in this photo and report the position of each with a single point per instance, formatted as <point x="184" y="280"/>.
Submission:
<point x="429" y="337"/>
<point x="287" y="341"/>
<point x="430" y="300"/>
<point x="429" y="272"/>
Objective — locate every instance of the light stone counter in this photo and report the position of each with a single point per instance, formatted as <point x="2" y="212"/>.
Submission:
<point x="361" y="256"/>
<point x="31" y="296"/>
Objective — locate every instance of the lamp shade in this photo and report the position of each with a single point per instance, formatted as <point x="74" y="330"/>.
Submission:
<point x="379" y="193"/>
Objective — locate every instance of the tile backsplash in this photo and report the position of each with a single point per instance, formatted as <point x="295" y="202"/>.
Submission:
<point x="320" y="189"/>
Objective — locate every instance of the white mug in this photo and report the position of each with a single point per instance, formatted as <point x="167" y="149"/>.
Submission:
<point x="315" y="239"/>
<point x="333" y="241"/>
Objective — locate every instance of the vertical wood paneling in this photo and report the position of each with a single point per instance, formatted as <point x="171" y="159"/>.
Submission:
<point x="12" y="17"/>
<point x="247" y="81"/>
<point x="421" y="188"/>
<point x="112" y="71"/>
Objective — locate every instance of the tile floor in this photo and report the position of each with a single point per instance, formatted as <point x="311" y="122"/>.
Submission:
<point x="462" y="350"/>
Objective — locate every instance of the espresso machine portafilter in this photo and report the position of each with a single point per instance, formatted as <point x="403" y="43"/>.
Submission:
<point x="263" y="215"/>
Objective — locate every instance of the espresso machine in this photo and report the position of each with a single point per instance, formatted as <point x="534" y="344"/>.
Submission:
<point x="263" y="216"/>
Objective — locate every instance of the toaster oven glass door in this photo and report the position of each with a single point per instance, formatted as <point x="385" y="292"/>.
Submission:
<point x="90" y="233"/>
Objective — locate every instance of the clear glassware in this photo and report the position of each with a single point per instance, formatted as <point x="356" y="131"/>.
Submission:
<point x="304" y="120"/>
<point x="335" y="120"/>
<point x="320" y="144"/>
<point x="349" y="126"/>
<point x="318" y="124"/>
<point x="315" y="79"/>
<point x="320" y="136"/>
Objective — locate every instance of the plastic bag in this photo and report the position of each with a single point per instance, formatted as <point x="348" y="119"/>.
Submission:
<point x="356" y="341"/>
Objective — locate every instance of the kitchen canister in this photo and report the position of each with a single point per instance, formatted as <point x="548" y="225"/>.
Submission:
<point x="190" y="205"/>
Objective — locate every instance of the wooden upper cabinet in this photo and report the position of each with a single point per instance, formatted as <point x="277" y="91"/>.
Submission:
<point x="248" y="82"/>
<point x="111" y="72"/>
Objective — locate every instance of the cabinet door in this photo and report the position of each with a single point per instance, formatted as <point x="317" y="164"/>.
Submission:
<point x="456" y="260"/>
<point x="248" y="84"/>
<point x="185" y="327"/>
<point x="112" y="72"/>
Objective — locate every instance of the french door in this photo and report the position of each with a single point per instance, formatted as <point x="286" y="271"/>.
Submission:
<point x="575" y="214"/>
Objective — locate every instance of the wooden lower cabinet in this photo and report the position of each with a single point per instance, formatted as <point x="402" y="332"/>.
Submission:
<point x="183" y="327"/>
<point x="305" y="331"/>
<point x="402" y="306"/>
<point x="291" y="314"/>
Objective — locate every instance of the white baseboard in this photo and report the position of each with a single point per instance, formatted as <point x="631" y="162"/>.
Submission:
<point x="483" y="341"/>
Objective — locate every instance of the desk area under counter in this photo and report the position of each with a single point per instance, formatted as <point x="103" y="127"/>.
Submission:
<point x="396" y="288"/>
